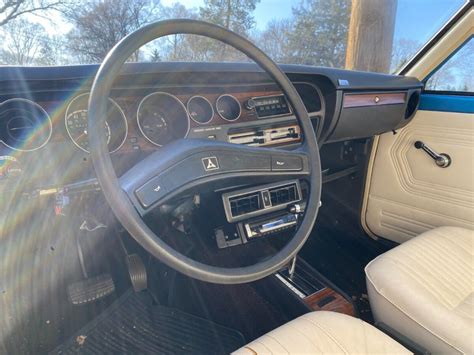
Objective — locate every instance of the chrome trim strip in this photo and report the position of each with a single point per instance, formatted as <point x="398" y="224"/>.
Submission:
<point x="290" y="286"/>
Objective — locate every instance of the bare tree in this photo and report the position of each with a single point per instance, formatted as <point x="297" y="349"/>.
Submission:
<point x="403" y="50"/>
<point x="235" y="15"/>
<point x="456" y="74"/>
<point x="11" y="9"/>
<point x="319" y="34"/>
<point x="100" y="24"/>
<point x="176" y="47"/>
<point x="53" y="51"/>
<point x="22" y="41"/>
<point x="274" y="39"/>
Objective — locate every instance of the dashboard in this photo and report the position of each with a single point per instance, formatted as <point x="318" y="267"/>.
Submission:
<point x="158" y="118"/>
<point x="43" y="112"/>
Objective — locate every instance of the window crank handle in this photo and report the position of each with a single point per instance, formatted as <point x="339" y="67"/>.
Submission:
<point x="443" y="160"/>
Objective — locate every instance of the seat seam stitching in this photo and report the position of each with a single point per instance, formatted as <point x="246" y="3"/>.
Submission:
<point x="437" y="249"/>
<point x="410" y="317"/>
<point x="459" y="287"/>
<point x="419" y="278"/>
<point x="283" y="347"/>
<point x="307" y="337"/>
<point x="330" y="336"/>
<point x="249" y="348"/>
<point x="259" y="341"/>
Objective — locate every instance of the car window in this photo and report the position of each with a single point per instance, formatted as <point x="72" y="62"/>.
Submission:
<point x="311" y="32"/>
<point x="457" y="73"/>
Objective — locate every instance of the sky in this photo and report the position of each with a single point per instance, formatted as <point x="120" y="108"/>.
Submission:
<point x="265" y="11"/>
<point x="416" y="19"/>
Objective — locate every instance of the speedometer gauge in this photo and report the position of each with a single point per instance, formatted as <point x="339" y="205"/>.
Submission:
<point x="115" y="129"/>
<point x="76" y="125"/>
<point x="162" y="118"/>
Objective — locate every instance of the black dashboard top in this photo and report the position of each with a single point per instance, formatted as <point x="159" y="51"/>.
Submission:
<point x="339" y="78"/>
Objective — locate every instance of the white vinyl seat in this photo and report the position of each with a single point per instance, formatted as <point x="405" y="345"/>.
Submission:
<point x="324" y="333"/>
<point x="424" y="289"/>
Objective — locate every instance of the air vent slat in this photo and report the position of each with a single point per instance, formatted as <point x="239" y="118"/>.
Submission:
<point x="284" y="194"/>
<point x="241" y="205"/>
<point x="257" y="201"/>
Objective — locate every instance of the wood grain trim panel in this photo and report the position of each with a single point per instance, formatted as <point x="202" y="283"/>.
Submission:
<point x="374" y="99"/>
<point x="129" y="104"/>
<point x="337" y="303"/>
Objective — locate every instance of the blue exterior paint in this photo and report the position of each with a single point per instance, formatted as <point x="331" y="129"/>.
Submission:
<point x="447" y="103"/>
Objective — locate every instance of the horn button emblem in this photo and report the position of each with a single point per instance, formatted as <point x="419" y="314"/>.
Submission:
<point x="210" y="163"/>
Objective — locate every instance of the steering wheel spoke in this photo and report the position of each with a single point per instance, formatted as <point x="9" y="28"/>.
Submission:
<point x="190" y="164"/>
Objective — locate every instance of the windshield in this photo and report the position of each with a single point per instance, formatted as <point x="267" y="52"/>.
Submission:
<point x="373" y="36"/>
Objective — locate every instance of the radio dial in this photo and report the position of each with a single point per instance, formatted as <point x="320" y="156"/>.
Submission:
<point x="250" y="104"/>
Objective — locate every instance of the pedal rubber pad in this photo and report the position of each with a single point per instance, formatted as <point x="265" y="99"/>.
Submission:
<point x="137" y="272"/>
<point x="91" y="289"/>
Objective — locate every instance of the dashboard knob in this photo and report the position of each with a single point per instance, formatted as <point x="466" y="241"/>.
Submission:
<point x="250" y="104"/>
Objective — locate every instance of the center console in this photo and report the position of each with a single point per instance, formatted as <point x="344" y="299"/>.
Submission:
<point x="261" y="211"/>
<point x="313" y="289"/>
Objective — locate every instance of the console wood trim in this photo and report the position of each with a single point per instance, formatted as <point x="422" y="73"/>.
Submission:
<point x="337" y="304"/>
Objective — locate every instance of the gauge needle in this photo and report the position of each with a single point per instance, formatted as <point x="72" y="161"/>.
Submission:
<point x="17" y="128"/>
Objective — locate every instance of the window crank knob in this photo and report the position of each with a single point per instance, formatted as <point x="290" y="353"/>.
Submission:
<point x="443" y="160"/>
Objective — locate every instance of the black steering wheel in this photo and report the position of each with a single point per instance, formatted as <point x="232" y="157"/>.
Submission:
<point x="180" y="166"/>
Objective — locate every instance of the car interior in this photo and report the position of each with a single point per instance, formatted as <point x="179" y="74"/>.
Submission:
<point x="247" y="208"/>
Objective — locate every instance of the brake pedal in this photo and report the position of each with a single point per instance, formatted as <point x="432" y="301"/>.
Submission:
<point x="137" y="272"/>
<point x="90" y="289"/>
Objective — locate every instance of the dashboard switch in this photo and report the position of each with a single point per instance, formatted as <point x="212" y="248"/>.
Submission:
<point x="286" y="163"/>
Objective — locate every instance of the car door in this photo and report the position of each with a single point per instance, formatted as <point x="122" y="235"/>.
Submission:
<point x="406" y="191"/>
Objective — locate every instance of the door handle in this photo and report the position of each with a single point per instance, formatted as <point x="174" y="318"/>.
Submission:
<point x="443" y="160"/>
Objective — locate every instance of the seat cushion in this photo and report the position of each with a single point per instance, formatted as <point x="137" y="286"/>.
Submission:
<point x="322" y="333"/>
<point x="424" y="289"/>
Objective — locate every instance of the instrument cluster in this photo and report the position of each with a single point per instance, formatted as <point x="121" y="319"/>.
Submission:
<point x="154" y="119"/>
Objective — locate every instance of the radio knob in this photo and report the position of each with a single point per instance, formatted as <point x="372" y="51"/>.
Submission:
<point x="250" y="104"/>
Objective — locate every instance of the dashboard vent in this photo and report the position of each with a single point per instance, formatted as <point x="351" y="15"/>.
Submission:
<point x="310" y="96"/>
<point x="284" y="194"/>
<point x="245" y="204"/>
<point x="412" y="104"/>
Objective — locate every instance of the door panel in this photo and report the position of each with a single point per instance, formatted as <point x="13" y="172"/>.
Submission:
<point x="407" y="193"/>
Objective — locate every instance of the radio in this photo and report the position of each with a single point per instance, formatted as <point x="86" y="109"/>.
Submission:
<point x="270" y="226"/>
<point x="267" y="136"/>
<point x="269" y="106"/>
<point x="227" y="236"/>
